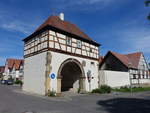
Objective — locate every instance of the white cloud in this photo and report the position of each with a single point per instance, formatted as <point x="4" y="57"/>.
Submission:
<point x="81" y="5"/>
<point x="135" y="39"/>
<point x="2" y="61"/>
<point x="11" y="22"/>
<point x="17" y="25"/>
<point x="92" y="1"/>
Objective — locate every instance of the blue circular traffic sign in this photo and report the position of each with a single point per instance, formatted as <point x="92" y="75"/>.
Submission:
<point x="52" y="76"/>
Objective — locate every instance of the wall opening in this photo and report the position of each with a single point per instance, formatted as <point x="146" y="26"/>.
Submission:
<point x="71" y="74"/>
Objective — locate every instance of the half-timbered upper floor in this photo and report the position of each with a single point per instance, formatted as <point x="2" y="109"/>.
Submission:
<point x="60" y="36"/>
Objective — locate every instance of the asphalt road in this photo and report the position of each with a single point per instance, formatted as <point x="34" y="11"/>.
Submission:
<point x="13" y="100"/>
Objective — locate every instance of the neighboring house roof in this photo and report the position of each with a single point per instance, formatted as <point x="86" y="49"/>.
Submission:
<point x="131" y="60"/>
<point x="101" y="59"/>
<point x="65" y="26"/>
<point x="16" y="63"/>
<point x="2" y="68"/>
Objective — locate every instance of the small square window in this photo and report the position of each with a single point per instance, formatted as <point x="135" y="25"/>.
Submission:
<point x="68" y="41"/>
<point x="134" y="76"/>
<point x="91" y="50"/>
<point x="78" y="43"/>
<point x="92" y="63"/>
<point x="38" y="40"/>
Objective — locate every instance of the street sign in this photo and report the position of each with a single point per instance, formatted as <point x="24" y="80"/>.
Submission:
<point x="52" y="76"/>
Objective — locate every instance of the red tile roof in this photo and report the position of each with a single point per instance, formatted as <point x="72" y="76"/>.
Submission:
<point x="2" y="68"/>
<point x="68" y="27"/>
<point x="129" y="59"/>
<point x="14" y="63"/>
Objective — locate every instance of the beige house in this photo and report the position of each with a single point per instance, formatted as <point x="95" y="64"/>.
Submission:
<point x="60" y="57"/>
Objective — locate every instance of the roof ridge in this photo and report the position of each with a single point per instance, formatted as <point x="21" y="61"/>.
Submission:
<point x="134" y="53"/>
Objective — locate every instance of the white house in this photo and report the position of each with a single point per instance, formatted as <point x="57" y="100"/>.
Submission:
<point x="124" y="69"/>
<point x="14" y="68"/>
<point x="60" y="57"/>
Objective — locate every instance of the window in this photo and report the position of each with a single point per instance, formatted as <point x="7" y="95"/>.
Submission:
<point x="92" y="63"/>
<point x="68" y="41"/>
<point x="143" y="73"/>
<point x="38" y="40"/>
<point x="134" y="76"/>
<point x="78" y="43"/>
<point x="91" y="50"/>
<point x="139" y="75"/>
<point x="147" y="74"/>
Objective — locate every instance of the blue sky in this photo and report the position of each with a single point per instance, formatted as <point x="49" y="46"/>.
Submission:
<point x="119" y="25"/>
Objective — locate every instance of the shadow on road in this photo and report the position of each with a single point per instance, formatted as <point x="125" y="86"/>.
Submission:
<point x="126" y="105"/>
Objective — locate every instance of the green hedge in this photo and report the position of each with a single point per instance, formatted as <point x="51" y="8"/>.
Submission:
<point x="102" y="89"/>
<point x="134" y="89"/>
<point x="18" y="82"/>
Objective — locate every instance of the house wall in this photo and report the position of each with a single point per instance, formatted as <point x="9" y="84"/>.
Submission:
<point x="114" y="78"/>
<point x="117" y="79"/>
<point x="58" y="59"/>
<point x="34" y="74"/>
<point x="143" y="68"/>
<point x="56" y="42"/>
<point x="140" y="81"/>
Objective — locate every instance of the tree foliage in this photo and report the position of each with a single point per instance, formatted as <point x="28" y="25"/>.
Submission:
<point x="147" y="4"/>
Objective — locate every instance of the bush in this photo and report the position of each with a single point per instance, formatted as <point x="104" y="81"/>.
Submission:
<point x="96" y="90"/>
<point x="52" y="94"/>
<point x="102" y="89"/>
<point x="105" y="89"/>
<point x="79" y="90"/>
<point x="18" y="82"/>
<point x="134" y="89"/>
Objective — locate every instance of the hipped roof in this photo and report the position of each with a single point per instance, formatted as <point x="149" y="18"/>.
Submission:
<point x="64" y="26"/>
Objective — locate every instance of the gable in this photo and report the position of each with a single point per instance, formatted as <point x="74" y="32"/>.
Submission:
<point x="111" y="62"/>
<point x="142" y="63"/>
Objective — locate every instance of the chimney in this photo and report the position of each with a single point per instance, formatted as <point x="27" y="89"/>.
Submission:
<point x="61" y="16"/>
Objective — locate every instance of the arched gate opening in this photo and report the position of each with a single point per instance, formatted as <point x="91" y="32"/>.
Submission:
<point x="71" y="76"/>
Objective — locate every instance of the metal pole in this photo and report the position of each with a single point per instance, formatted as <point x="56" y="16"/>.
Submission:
<point x="89" y="86"/>
<point x="130" y="82"/>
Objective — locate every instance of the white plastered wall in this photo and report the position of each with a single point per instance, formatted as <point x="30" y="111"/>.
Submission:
<point x="114" y="78"/>
<point x="58" y="59"/>
<point x="34" y="74"/>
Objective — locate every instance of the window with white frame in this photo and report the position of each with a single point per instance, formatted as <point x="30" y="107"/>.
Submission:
<point x="78" y="43"/>
<point x="69" y="41"/>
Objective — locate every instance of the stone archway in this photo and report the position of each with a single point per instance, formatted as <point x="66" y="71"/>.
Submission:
<point x="71" y="77"/>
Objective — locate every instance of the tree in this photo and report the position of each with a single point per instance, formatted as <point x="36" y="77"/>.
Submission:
<point x="147" y="4"/>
